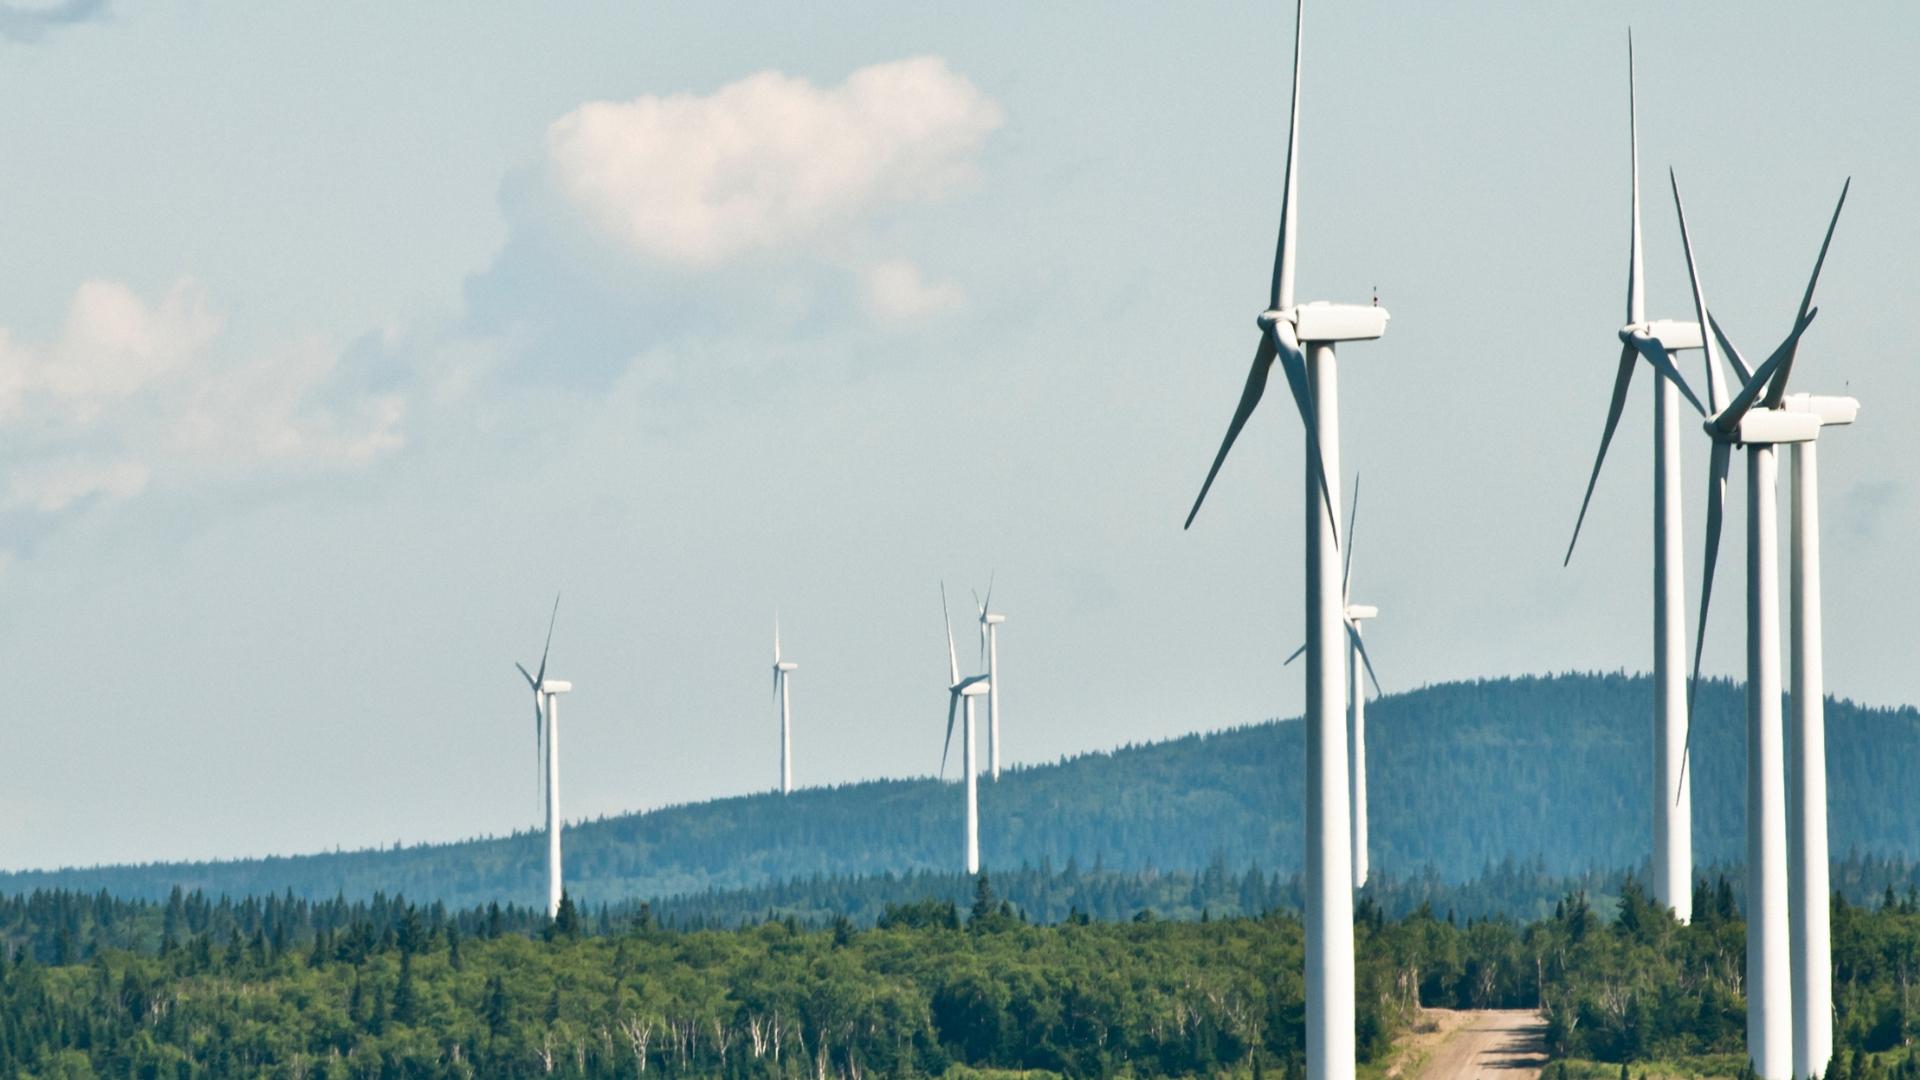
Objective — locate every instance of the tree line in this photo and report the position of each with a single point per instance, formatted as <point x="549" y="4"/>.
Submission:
<point x="1567" y="755"/>
<point x="91" y="985"/>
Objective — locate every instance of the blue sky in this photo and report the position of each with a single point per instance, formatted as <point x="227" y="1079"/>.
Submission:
<point x="330" y="347"/>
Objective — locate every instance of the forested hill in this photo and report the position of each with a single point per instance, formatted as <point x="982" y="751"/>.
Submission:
<point x="1464" y="775"/>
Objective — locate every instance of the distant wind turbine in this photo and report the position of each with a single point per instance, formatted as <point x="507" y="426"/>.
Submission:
<point x="1302" y="339"/>
<point x="990" y="621"/>
<point x="1760" y="426"/>
<point x="962" y="691"/>
<point x="1359" y="670"/>
<point x="781" y="670"/>
<point x="1656" y="342"/>
<point x="546" y="702"/>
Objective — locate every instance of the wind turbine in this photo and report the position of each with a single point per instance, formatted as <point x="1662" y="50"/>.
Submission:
<point x="1359" y="670"/>
<point x="1302" y="339"/>
<point x="546" y="703"/>
<point x="781" y="670"/>
<point x="1655" y="342"/>
<point x="1807" y="936"/>
<point x="990" y="621"/>
<point x="961" y="691"/>
<point x="1760" y="427"/>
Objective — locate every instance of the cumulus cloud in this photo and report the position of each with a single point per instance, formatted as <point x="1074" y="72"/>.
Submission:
<point x="24" y="20"/>
<point x="768" y="161"/>
<point x="897" y="292"/>
<point x="135" y="393"/>
<point x="51" y="486"/>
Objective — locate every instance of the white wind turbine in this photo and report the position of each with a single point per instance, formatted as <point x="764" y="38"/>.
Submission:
<point x="1796" y="957"/>
<point x="990" y="621"/>
<point x="1359" y="670"/>
<point x="546" y="703"/>
<point x="962" y="691"/>
<point x="781" y="670"/>
<point x="1302" y="339"/>
<point x="1655" y="342"/>
<point x="1760" y="427"/>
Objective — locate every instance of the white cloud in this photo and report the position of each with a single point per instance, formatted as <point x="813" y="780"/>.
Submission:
<point x="770" y="160"/>
<point x="136" y="393"/>
<point x="52" y="486"/>
<point x="896" y="292"/>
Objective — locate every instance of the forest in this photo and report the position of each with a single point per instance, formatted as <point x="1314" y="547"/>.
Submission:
<point x="282" y="987"/>
<point x="1567" y="755"/>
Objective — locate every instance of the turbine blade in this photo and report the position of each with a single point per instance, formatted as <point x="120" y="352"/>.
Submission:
<point x="953" y="704"/>
<point x="953" y="659"/>
<point x="1281" y="295"/>
<point x="1658" y="356"/>
<point x="987" y="604"/>
<point x="1734" y="357"/>
<point x="1360" y="645"/>
<point x="1353" y="512"/>
<point x="1249" y="397"/>
<point x="1294" y="363"/>
<point x="1636" y="265"/>
<point x="528" y="677"/>
<point x="1294" y="655"/>
<point x="549" y="645"/>
<point x="1730" y="419"/>
<point x="776" y="637"/>
<point x="1716" y="386"/>
<point x="982" y="608"/>
<point x="1716" y="510"/>
<point x="1622" y="378"/>
<point x="1806" y="302"/>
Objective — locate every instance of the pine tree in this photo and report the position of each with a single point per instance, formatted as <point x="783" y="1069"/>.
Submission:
<point x="405" y="1003"/>
<point x="982" y="897"/>
<point x="566" y="920"/>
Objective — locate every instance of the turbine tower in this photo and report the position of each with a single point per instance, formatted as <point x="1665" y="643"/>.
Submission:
<point x="990" y="621"/>
<point x="781" y="670"/>
<point x="1359" y="670"/>
<point x="1655" y="342"/>
<point x="546" y="701"/>
<point x="1809" y="931"/>
<point x="1760" y="428"/>
<point x="960" y="694"/>
<point x="1302" y="338"/>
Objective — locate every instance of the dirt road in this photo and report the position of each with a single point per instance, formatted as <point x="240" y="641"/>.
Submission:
<point x="1494" y="1044"/>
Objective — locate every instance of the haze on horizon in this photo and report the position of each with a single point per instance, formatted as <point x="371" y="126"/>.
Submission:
<point x="331" y="348"/>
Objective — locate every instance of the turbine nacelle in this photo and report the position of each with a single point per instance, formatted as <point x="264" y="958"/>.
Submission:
<point x="786" y="665"/>
<point x="1672" y="334"/>
<point x="555" y="686"/>
<point x="1768" y="427"/>
<point x="1324" y="321"/>
<point x="1832" y="411"/>
<point x="993" y="618"/>
<point x="1357" y="612"/>
<point x="972" y="686"/>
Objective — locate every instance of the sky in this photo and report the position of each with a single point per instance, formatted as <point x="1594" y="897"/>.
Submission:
<point x="334" y="344"/>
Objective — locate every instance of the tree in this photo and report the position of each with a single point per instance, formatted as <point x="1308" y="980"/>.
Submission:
<point x="566" y="921"/>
